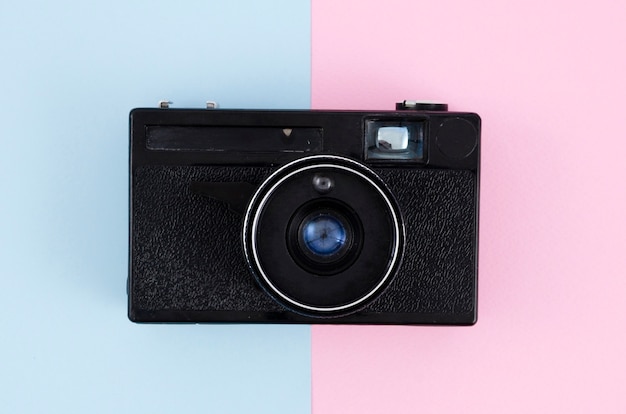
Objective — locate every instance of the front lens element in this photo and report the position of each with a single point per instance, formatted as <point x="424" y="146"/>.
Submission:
<point x="324" y="235"/>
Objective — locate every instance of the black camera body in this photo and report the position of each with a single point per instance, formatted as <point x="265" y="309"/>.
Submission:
<point x="359" y="217"/>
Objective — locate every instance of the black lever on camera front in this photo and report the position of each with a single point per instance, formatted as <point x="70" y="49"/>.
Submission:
<point x="236" y="194"/>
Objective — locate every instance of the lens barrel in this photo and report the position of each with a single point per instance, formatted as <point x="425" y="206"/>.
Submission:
<point x="323" y="253"/>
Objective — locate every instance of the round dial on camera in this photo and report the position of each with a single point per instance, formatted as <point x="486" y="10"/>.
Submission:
<point x="411" y="105"/>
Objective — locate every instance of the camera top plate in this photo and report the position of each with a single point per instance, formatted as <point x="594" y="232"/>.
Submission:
<point x="274" y="137"/>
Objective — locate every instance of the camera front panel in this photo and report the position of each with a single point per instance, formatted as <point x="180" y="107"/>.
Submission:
<point x="187" y="260"/>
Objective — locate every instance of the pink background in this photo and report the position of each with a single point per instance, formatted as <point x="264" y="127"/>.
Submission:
<point x="548" y="79"/>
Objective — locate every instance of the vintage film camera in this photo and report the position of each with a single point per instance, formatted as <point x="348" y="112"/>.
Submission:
<point x="360" y="217"/>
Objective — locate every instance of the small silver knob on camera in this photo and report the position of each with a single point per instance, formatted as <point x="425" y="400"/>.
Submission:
<point x="165" y="104"/>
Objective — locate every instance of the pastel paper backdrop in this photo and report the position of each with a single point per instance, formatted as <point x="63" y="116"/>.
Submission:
<point x="70" y="73"/>
<point x="548" y="79"/>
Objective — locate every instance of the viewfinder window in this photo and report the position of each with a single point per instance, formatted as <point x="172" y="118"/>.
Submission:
<point x="392" y="138"/>
<point x="389" y="140"/>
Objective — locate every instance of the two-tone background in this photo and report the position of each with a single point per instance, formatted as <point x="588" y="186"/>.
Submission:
<point x="548" y="79"/>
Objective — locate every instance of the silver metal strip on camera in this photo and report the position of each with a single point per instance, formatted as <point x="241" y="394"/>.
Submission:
<point x="257" y="194"/>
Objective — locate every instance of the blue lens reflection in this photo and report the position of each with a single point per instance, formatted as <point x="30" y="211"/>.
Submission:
<point x="324" y="235"/>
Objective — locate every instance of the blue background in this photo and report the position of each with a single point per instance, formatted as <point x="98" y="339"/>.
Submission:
<point x="70" y="73"/>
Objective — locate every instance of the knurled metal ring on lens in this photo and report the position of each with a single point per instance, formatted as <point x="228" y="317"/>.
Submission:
<point x="266" y="189"/>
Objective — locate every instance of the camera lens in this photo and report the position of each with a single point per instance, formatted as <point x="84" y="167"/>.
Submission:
<point x="323" y="235"/>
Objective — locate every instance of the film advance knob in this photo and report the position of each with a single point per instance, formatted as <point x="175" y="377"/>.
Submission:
<point x="408" y="105"/>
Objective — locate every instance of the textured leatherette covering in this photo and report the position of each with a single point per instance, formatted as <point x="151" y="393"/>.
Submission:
<point x="187" y="254"/>
<point x="187" y="250"/>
